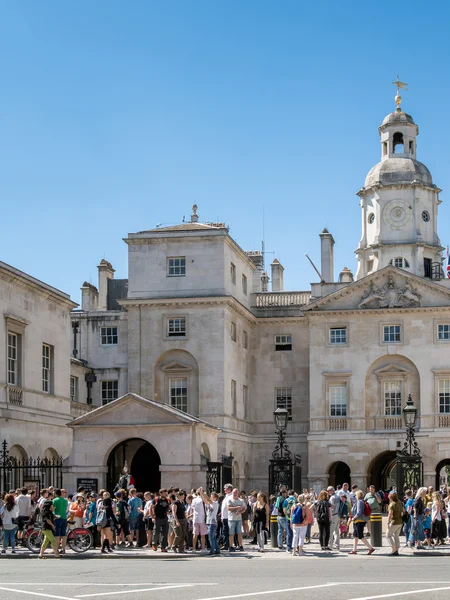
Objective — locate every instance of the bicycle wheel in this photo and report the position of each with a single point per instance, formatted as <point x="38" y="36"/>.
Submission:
<point x="34" y="540"/>
<point x="80" y="540"/>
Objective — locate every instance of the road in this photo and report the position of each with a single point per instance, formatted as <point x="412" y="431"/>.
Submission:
<point x="323" y="577"/>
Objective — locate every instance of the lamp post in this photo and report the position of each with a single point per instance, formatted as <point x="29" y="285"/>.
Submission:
<point x="281" y="464"/>
<point x="409" y="461"/>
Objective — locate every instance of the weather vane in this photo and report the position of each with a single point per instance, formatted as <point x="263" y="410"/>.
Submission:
<point x="400" y="86"/>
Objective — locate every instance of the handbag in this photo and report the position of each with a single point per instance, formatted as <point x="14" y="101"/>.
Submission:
<point x="15" y="521"/>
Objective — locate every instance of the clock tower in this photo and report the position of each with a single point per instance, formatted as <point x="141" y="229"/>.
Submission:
<point x="399" y="204"/>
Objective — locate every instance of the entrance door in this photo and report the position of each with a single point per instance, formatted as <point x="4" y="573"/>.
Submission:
<point x="141" y="460"/>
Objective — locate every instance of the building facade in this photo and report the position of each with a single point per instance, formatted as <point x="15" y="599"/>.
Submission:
<point x="194" y="333"/>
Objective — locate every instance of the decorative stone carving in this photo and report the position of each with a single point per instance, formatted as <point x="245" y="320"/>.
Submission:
<point x="390" y="296"/>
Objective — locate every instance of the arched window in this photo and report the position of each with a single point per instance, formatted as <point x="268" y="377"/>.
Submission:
<point x="399" y="262"/>
<point x="397" y="143"/>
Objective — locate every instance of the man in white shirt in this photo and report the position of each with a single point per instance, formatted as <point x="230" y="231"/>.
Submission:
<point x="228" y="489"/>
<point x="23" y="502"/>
<point x="235" y="507"/>
<point x="345" y="491"/>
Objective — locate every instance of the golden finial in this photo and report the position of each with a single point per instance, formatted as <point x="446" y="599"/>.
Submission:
<point x="400" y="86"/>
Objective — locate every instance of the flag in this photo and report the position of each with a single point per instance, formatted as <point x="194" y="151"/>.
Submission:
<point x="447" y="266"/>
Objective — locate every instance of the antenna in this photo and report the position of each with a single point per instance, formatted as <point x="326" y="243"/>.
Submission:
<point x="263" y="243"/>
<point x="322" y="280"/>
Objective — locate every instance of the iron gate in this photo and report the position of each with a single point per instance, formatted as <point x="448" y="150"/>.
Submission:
<point x="280" y="473"/>
<point x="32" y="473"/>
<point x="409" y="472"/>
<point x="218" y="474"/>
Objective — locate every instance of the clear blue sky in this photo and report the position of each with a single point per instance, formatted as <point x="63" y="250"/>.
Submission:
<point x="116" y="116"/>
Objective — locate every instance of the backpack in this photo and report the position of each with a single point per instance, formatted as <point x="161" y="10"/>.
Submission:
<point x="101" y="519"/>
<point x="322" y="512"/>
<point x="297" y="516"/>
<point x="372" y="502"/>
<point x="279" y="506"/>
<point x="367" y="509"/>
<point x="287" y="509"/>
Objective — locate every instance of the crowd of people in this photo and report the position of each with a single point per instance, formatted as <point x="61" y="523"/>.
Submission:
<point x="179" y="521"/>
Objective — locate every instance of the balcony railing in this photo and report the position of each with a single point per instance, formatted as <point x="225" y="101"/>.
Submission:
<point x="338" y="424"/>
<point x="444" y="421"/>
<point x="281" y="299"/>
<point x="78" y="409"/>
<point x="393" y="423"/>
<point x="15" y="395"/>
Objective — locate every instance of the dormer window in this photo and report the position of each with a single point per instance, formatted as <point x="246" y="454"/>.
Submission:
<point x="399" y="262"/>
<point x="397" y="143"/>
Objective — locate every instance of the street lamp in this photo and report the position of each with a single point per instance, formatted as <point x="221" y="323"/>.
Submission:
<point x="409" y="461"/>
<point x="282" y="462"/>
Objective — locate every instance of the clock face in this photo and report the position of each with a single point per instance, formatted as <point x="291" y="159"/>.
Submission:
<point x="396" y="213"/>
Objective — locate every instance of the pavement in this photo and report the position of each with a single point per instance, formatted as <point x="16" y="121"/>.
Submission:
<point x="248" y="576"/>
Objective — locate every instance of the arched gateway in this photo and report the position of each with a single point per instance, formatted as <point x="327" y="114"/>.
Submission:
<point x="142" y="461"/>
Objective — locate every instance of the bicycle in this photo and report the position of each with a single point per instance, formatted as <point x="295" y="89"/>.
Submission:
<point x="79" y="540"/>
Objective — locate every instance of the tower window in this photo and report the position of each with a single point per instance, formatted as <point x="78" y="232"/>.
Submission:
<point x="427" y="268"/>
<point x="425" y="216"/>
<point x="398" y="145"/>
<point x="399" y="262"/>
<point x="411" y="147"/>
<point x="385" y="148"/>
<point x="371" y="218"/>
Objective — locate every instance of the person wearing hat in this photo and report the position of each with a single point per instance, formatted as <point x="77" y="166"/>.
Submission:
<point x="77" y="509"/>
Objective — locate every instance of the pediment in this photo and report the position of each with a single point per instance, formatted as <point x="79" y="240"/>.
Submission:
<point x="389" y="288"/>
<point x="392" y="370"/>
<point x="132" y="409"/>
<point x="175" y="367"/>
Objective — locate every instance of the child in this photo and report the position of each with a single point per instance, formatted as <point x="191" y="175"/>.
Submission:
<point x="427" y="526"/>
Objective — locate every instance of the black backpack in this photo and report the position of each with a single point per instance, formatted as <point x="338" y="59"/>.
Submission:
<point x="322" y="512"/>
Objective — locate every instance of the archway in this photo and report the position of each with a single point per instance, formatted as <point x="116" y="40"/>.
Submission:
<point x="142" y="461"/>
<point x="339" y="473"/>
<point x="382" y="471"/>
<point x="442" y="473"/>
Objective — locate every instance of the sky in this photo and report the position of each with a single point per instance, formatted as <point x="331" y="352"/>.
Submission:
<point x="117" y="116"/>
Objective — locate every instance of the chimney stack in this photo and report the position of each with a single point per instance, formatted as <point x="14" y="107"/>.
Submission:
<point x="105" y="272"/>
<point x="277" y="276"/>
<point x="327" y="256"/>
<point x="89" y="297"/>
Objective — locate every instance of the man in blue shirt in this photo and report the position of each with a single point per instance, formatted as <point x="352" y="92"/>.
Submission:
<point x="135" y="505"/>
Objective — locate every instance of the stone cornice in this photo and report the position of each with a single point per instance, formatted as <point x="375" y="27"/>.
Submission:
<point x="397" y="186"/>
<point x="25" y="281"/>
<point x="379" y="311"/>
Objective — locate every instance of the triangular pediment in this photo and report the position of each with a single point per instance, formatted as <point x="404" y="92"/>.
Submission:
<point x="175" y="367"/>
<point x="133" y="409"/>
<point x="389" y="288"/>
<point x="392" y="370"/>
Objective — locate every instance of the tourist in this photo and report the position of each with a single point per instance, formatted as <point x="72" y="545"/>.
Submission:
<point x="245" y="526"/>
<point x="235" y="508"/>
<point x="301" y="517"/>
<point x="374" y="501"/>
<point x="228" y="489"/>
<point x="135" y="504"/>
<point x="199" y="520"/>
<point x="409" y="505"/>
<point x="360" y="518"/>
<point x="416" y="535"/>
<point x="123" y="516"/>
<point x="48" y="529"/>
<point x="394" y="522"/>
<point x="77" y="509"/>
<point x="110" y="524"/>
<point x="147" y="515"/>
<point x="212" y="510"/>
<point x="261" y="519"/>
<point x="60" y="506"/>
<point x="427" y="527"/>
<point x="159" y="512"/>
<point x="9" y="514"/>
<point x="310" y="501"/>
<point x="281" y="517"/>
<point x="289" y="502"/>
<point x="180" y="524"/>
<point x="335" y="503"/>
<point x="322" y="510"/>
<point x="23" y="501"/>
<point x="438" y="528"/>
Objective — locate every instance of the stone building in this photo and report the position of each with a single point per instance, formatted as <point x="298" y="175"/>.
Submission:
<point x="189" y="357"/>
<point x="35" y="404"/>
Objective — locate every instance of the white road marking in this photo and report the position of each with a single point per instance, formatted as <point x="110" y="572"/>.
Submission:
<point x="166" y="587"/>
<point x="296" y="589"/>
<point x="435" y="589"/>
<point x="114" y="584"/>
<point x="5" y="589"/>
